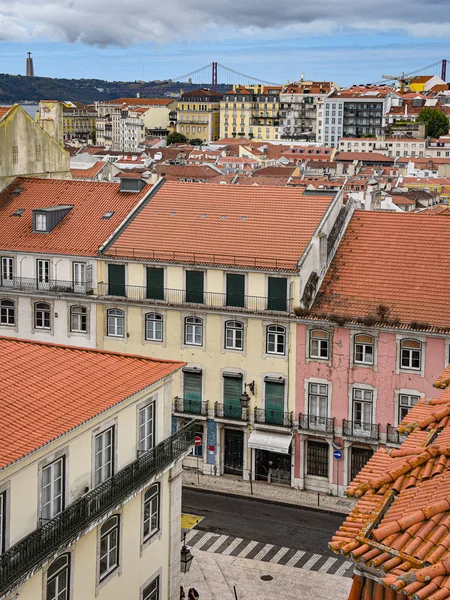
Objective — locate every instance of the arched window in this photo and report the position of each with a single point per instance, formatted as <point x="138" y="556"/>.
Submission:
<point x="7" y="312"/>
<point x="58" y="579"/>
<point x="319" y="344"/>
<point x="276" y="339"/>
<point x="78" y="319"/>
<point x="234" y="335"/>
<point x="116" y="323"/>
<point x="363" y="351"/>
<point x="151" y="511"/>
<point x="410" y="354"/>
<point x="193" y="331"/>
<point x="42" y="312"/>
<point x="109" y="546"/>
<point x="154" y="327"/>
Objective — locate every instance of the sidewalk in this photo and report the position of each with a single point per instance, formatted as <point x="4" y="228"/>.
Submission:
<point x="274" y="493"/>
<point x="215" y="575"/>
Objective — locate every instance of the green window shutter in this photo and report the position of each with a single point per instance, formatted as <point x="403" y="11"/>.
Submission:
<point x="277" y="297"/>
<point x="116" y="280"/>
<point x="194" y="287"/>
<point x="235" y="289"/>
<point x="192" y="392"/>
<point x="274" y="405"/>
<point x="155" y="283"/>
<point x="232" y="390"/>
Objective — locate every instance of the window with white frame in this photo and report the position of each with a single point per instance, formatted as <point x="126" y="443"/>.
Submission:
<point x="234" y="335"/>
<point x="363" y="349"/>
<point x="103" y="456"/>
<point x="2" y="522"/>
<point x="151" y="511"/>
<point x="410" y="354"/>
<point x="362" y="408"/>
<point x="193" y="331"/>
<point x="319" y="344"/>
<point x="43" y="272"/>
<point x="53" y="489"/>
<point x="41" y="222"/>
<point x="79" y="276"/>
<point x="116" y="323"/>
<point x="154" y="327"/>
<point x="42" y="313"/>
<point x="58" y="579"/>
<point x="109" y="547"/>
<point x="276" y="339"/>
<point x="7" y="313"/>
<point x="405" y="403"/>
<point x="7" y="270"/>
<point x="146" y="418"/>
<point x="317" y="402"/>
<point x="151" y="591"/>
<point x="78" y="319"/>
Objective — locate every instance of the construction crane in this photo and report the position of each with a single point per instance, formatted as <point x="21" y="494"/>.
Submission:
<point x="403" y="80"/>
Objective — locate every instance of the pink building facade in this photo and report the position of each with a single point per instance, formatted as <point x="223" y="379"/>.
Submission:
<point x="354" y="384"/>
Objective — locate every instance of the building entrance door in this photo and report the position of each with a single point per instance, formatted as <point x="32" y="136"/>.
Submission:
<point x="234" y="452"/>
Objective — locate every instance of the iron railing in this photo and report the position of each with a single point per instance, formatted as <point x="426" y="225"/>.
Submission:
<point x="192" y="407"/>
<point x="32" y="551"/>
<point x="360" y="429"/>
<point x="235" y="303"/>
<point x="393" y="436"/>
<point x="273" y="417"/>
<point x="230" y="411"/>
<point x="53" y="286"/>
<point x="316" y="423"/>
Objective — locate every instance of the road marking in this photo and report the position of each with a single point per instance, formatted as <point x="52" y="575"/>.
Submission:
<point x="191" y="534"/>
<point x="220" y="540"/>
<point x="346" y="565"/>
<point x="263" y="552"/>
<point x="232" y="546"/>
<point x="281" y="552"/>
<point x="247" y="549"/>
<point x="312" y="561"/>
<point x="202" y="541"/>
<point x="297" y="556"/>
<point x="327" y="564"/>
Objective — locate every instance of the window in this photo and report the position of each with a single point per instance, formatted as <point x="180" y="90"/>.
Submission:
<point x="235" y="290"/>
<point x="277" y="293"/>
<point x="15" y="154"/>
<point x="58" y="579"/>
<point x="151" y="511"/>
<point x="79" y="277"/>
<point x="104" y="456"/>
<point x="364" y="345"/>
<point x="41" y="315"/>
<point x="410" y="354"/>
<point x="362" y="408"/>
<point x="109" y="547"/>
<point x="405" y="403"/>
<point x="78" y="319"/>
<point x="2" y="522"/>
<point x="317" y="459"/>
<point x="155" y="283"/>
<point x="151" y="592"/>
<point x="116" y="323"/>
<point x="276" y="339"/>
<point x="41" y="222"/>
<point x="43" y="273"/>
<point x="38" y="152"/>
<point x="53" y="489"/>
<point x="7" y="273"/>
<point x="116" y="280"/>
<point x="193" y="331"/>
<point x="147" y="427"/>
<point x="7" y="312"/>
<point x="274" y="402"/>
<point x="317" y="401"/>
<point x="194" y="286"/>
<point x="154" y="327"/>
<point x="318" y="344"/>
<point x="234" y="333"/>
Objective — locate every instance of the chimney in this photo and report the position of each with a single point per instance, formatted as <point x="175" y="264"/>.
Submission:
<point x="302" y="77"/>
<point x="138" y="95"/>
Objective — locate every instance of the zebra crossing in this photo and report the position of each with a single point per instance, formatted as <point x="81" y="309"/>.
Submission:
<point x="241" y="548"/>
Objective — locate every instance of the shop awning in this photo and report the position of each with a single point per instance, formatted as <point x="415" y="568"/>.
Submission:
<point x="273" y="442"/>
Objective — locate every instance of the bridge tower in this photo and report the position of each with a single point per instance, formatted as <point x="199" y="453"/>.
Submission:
<point x="214" y="77"/>
<point x="444" y="69"/>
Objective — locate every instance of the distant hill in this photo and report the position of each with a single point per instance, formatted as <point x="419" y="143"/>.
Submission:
<point x="18" y="88"/>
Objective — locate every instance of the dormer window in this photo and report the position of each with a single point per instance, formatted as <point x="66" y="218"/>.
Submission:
<point x="46" y="219"/>
<point x="41" y="222"/>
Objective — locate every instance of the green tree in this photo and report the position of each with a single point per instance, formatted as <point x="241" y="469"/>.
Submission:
<point x="176" y="138"/>
<point x="196" y="142"/>
<point x="436" y="122"/>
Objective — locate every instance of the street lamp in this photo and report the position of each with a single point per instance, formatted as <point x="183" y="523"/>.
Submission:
<point x="186" y="557"/>
<point x="245" y="398"/>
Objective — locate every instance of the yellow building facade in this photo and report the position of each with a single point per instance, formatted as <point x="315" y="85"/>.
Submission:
<point x="198" y="115"/>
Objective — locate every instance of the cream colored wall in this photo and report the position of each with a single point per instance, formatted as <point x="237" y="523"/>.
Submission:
<point x="157" y="116"/>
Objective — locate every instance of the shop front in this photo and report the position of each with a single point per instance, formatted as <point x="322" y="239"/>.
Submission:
<point x="272" y="456"/>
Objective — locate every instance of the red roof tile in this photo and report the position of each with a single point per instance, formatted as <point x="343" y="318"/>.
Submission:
<point x="80" y="384"/>
<point x="142" y="101"/>
<point x="88" y="173"/>
<point x="364" y="157"/>
<point x="4" y="110"/>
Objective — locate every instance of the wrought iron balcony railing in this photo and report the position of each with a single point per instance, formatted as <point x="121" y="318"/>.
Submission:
<point x="191" y="407"/>
<point x="30" y="553"/>
<point x="232" y="302"/>
<point x="273" y="417"/>
<point x="53" y="286"/>
<point x="315" y="423"/>
<point x="393" y="436"/>
<point x="360" y="429"/>
<point x="230" y="411"/>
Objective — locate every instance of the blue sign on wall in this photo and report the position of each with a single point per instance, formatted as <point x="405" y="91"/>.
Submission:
<point x="337" y="454"/>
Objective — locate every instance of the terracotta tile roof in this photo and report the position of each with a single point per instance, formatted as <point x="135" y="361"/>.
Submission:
<point x="203" y="92"/>
<point x="176" y="172"/>
<point x="275" y="171"/>
<point x="387" y="257"/>
<point x="254" y="226"/>
<point x="364" y="157"/>
<point x="88" y="173"/>
<point x="360" y="91"/>
<point x="4" y="110"/>
<point x="234" y="141"/>
<point x="81" y="231"/>
<point x="78" y="385"/>
<point x="267" y="181"/>
<point x="437" y="209"/>
<point x="142" y="101"/>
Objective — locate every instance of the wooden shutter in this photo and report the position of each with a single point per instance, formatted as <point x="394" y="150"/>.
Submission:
<point x="194" y="287"/>
<point x="235" y="289"/>
<point x="192" y="387"/>
<point x="232" y="390"/>
<point x="155" y="283"/>
<point x="274" y="396"/>
<point x="277" y="293"/>
<point x="116" y="280"/>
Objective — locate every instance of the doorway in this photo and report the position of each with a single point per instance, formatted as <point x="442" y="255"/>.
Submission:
<point x="234" y="452"/>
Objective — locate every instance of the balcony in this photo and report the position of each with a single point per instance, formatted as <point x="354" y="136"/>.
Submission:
<point x="216" y="300"/>
<point x="230" y="412"/>
<point x="190" y="407"/>
<point x="393" y="436"/>
<point x="361" y="430"/>
<point x="323" y="425"/>
<point x="273" y="417"/>
<point x="44" y="542"/>
<point x="29" y="285"/>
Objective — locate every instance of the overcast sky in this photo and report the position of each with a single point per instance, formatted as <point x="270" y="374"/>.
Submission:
<point x="342" y="40"/>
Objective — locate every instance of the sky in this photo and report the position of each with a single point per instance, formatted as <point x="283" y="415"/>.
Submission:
<point x="346" y="41"/>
